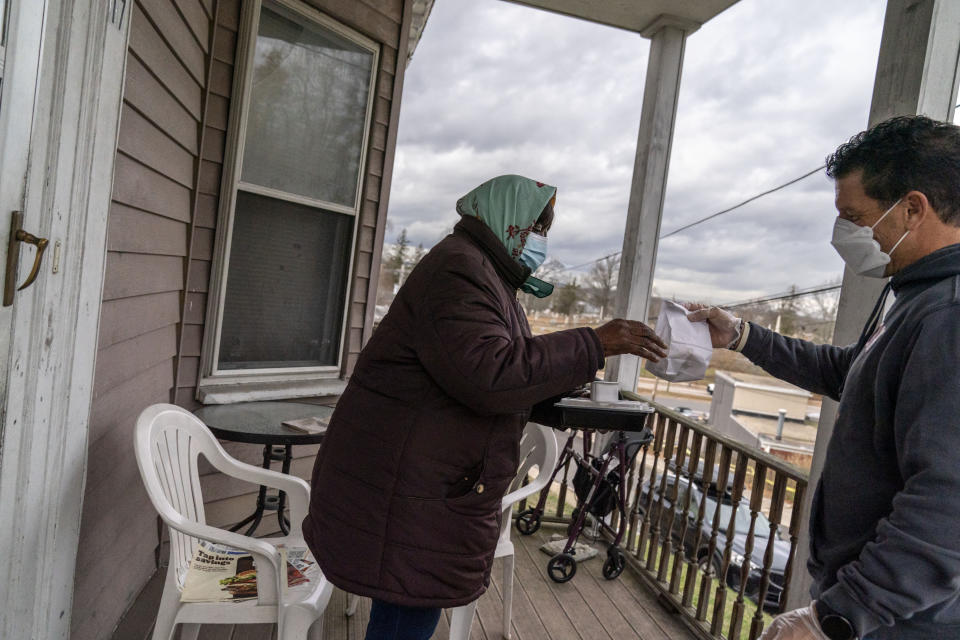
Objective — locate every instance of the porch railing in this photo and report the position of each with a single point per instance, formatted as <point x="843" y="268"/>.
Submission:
<point x="710" y="521"/>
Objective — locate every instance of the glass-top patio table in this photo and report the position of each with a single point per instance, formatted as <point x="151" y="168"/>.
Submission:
<point x="262" y="423"/>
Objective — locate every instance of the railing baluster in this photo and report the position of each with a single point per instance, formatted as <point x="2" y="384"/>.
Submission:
<point x="723" y="474"/>
<point x="675" y="461"/>
<point x="776" y="513"/>
<point x="656" y="514"/>
<point x="680" y="555"/>
<point x="720" y="600"/>
<point x="677" y="448"/>
<point x="756" y="503"/>
<point x="635" y="489"/>
<point x="645" y="526"/>
<point x="708" y="461"/>
<point x="794" y="535"/>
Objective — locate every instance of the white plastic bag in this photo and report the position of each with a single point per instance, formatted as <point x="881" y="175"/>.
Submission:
<point x="689" y="347"/>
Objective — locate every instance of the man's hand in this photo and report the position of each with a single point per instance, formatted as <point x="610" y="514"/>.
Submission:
<point x="629" y="336"/>
<point x="724" y="326"/>
<point x="799" y="624"/>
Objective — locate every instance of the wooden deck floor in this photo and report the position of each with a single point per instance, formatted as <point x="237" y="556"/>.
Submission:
<point x="586" y="608"/>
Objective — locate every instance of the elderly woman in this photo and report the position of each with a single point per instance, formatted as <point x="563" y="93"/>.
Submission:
<point x="424" y="442"/>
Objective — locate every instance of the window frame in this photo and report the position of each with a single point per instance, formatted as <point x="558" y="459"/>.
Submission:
<point x="226" y="385"/>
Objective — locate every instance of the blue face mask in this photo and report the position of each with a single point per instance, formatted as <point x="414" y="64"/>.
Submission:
<point x="534" y="251"/>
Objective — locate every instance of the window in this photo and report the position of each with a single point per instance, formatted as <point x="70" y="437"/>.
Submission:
<point x="300" y="116"/>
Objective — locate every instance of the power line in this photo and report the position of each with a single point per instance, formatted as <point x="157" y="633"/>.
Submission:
<point x="747" y="201"/>
<point x="713" y="215"/>
<point x="798" y="293"/>
<point x="580" y="266"/>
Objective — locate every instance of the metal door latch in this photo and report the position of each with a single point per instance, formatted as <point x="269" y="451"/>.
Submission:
<point x="18" y="236"/>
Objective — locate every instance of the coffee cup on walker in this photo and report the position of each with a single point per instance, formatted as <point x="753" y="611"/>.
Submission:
<point x="604" y="391"/>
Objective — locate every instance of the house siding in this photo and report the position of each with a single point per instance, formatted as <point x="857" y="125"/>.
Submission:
<point x="161" y="231"/>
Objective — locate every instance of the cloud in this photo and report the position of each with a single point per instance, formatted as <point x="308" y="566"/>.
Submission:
<point x="768" y="90"/>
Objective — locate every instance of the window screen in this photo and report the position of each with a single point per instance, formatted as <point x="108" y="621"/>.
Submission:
<point x="286" y="286"/>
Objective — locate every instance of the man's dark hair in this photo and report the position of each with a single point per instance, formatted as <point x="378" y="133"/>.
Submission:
<point x="904" y="154"/>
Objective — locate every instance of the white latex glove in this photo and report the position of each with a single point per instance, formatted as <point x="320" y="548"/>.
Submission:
<point x="724" y="326"/>
<point x="799" y="624"/>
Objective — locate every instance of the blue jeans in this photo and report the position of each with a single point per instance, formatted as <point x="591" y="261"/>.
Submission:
<point x="394" y="622"/>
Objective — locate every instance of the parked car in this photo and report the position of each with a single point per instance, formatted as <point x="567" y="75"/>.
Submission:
<point x="690" y="413"/>
<point x="697" y="547"/>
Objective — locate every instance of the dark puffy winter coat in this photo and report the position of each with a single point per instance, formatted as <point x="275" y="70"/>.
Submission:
<point x="405" y="504"/>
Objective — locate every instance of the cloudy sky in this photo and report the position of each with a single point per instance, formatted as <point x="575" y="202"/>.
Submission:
<point x="769" y="88"/>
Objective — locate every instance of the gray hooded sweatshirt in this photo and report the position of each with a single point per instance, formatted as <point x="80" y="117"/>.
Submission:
<point x="885" y="517"/>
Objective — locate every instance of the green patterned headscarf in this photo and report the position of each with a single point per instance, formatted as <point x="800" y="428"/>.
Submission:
<point x="510" y="205"/>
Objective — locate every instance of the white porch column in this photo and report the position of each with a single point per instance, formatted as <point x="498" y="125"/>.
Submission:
<point x="667" y="40"/>
<point x="917" y="73"/>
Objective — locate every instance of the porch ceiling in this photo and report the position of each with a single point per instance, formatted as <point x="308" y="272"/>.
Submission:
<point x="633" y="15"/>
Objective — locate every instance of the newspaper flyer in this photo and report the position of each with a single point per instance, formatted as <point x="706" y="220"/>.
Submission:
<point x="219" y="573"/>
<point x="312" y="425"/>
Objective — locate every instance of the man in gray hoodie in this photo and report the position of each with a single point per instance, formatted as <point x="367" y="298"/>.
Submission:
<point x="885" y="517"/>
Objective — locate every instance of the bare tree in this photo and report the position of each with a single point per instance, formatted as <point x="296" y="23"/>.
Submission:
<point x="825" y="302"/>
<point x="418" y="254"/>
<point x="392" y="268"/>
<point x="397" y="262"/>
<point x="823" y="307"/>
<point x="603" y="284"/>
<point x="787" y="312"/>
<point x="566" y="299"/>
<point x="550" y="271"/>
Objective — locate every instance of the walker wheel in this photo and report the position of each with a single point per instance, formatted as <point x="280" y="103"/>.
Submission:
<point x="528" y="522"/>
<point x="562" y="567"/>
<point x="614" y="564"/>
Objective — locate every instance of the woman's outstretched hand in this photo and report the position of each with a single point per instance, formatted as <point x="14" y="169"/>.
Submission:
<point x="629" y="336"/>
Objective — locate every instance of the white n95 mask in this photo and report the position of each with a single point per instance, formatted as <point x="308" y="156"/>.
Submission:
<point x="859" y="249"/>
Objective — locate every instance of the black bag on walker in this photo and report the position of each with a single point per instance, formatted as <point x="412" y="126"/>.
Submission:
<point x="604" y="501"/>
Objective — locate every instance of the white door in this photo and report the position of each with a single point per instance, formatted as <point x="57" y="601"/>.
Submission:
<point x="20" y="38"/>
<point x="61" y="76"/>
<point x="22" y="30"/>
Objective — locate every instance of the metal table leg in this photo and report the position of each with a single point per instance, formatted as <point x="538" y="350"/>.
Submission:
<point x="262" y="499"/>
<point x="282" y="497"/>
<point x="272" y="502"/>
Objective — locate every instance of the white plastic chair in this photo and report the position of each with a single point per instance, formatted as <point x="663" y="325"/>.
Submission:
<point x="538" y="448"/>
<point x="168" y="441"/>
